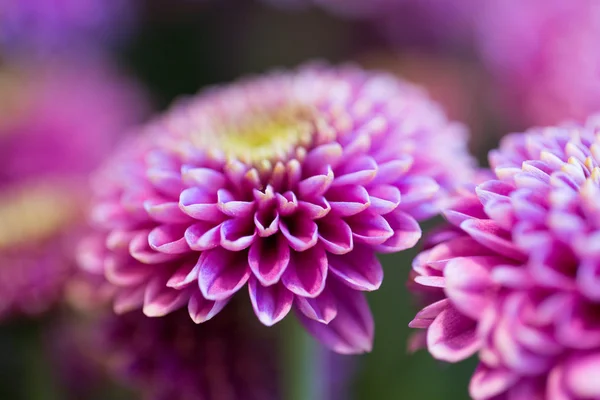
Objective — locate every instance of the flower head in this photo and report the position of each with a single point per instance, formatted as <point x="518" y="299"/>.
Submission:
<point x="543" y="56"/>
<point x="56" y="123"/>
<point x="289" y="183"/>
<point x="171" y="358"/>
<point x="515" y="276"/>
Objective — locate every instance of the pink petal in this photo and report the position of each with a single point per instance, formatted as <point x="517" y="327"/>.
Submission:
<point x="140" y="249"/>
<point x="322" y="308"/>
<point x="314" y="209"/>
<point x="271" y="304"/>
<point x="581" y="374"/>
<point x="201" y="309"/>
<point x="360" y="270"/>
<point x="316" y="185"/>
<point x="168" y="182"/>
<point x="125" y="271"/>
<point x="230" y="206"/>
<point x="370" y="228"/>
<point x="323" y="156"/>
<point x="348" y="200"/>
<point x="165" y="212"/>
<point x="222" y="273"/>
<point x="268" y="259"/>
<point x="384" y="199"/>
<point x="200" y="204"/>
<point x="358" y="171"/>
<point x="237" y="234"/>
<point x="184" y="276"/>
<point x="452" y="337"/>
<point x="306" y="272"/>
<point x="335" y="235"/>
<point x="168" y="239"/>
<point x="203" y="178"/>
<point x="487" y="383"/>
<point x="407" y="232"/>
<point x="129" y="299"/>
<point x="301" y="232"/>
<point x="352" y="330"/>
<point x="160" y="300"/>
<point x="427" y="315"/>
<point x="489" y="234"/>
<point x="468" y="283"/>
<point x="203" y="236"/>
<point x="266" y="222"/>
<point x="391" y="171"/>
<point x="286" y="203"/>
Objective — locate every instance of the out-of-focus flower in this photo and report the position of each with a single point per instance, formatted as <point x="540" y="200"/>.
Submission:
<point x="171" y="358"/>
<point x="56" y="123"/>
<point x="45" y="26"/>
<point x="290" y="183"/>
<point x="544" y="55"/>
<point x="516" y="276"/>
<point x="458" y="85"/>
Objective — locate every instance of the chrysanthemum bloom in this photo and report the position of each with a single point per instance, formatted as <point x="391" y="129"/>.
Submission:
<point x="42" y="25"/>
<point x="56" y="123"/>
<point x="289" y="183"/>
<point x="172" y="358"/>
<point x="516" y="276"/>
<point x="544" y="57"/>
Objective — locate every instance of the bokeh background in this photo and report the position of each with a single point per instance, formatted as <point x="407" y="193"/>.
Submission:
<point x="497" y="66"/>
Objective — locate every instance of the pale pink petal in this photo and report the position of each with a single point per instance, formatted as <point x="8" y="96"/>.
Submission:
<point x="168" y="239"/>
<point x="222" y="273"/>
<point x="202" y="310"/>
<point x="203" y="236"/>
<point x="271" y="304"/>
<point x="452" y="337"/>
<point x="200" y="205"/>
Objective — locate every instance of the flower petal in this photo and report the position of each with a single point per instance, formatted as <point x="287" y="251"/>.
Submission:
<point x="203" y="236"/>
<point x="407" y="232"/>
<point x="301" y="232"/>
<point x="222" y="273"/>
<point x="268" y="259"/>
<point x="201" y="309"/>
<point x="237" y="234"/>
<point x="271" y="304"/>
<point x="370" y="228"/>
<point x="160" y="300"/>
<point x="168" y="239"/>
<point x="452" y="337"/>
<point x="360" y="269"/>
<point x="335" y="235"/>
<point x="306" y="272"/>
<point x="322" y="308"/>
<point x="200" y="204"/>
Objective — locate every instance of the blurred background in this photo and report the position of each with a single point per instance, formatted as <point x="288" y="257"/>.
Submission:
<point x="75" y="75"/>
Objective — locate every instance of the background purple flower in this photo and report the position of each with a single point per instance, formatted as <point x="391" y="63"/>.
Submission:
<point x="49" y="25"/>
<point x="290" y="183"/>
<point x="58" y="121"/>
<point x="514" y="278"/>
<point x="544" y="57"/>
<point x="172" y="358"/>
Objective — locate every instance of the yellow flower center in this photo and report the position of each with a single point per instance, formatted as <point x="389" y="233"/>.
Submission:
<point x="32" y="213"/>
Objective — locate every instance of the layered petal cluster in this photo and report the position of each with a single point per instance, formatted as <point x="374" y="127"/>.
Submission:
<point x="544" y="57"/>
<point x="56" y="124"/>
<point x="46" y="26"/>
<point x="288" y="184"/>
<point x="515" y="276"/>
<point x="172" y="358"/>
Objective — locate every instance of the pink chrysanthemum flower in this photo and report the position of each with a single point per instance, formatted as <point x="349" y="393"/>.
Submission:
<point x="290" y="183"/>
<point x="544" y="57"/>
<point x="171" y="358"/>
<point x="56" y="124"/>
<point x="516" y="276"/>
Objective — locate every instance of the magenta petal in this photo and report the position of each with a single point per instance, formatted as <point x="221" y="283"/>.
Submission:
<point x="184" y="276"/>
<point x="129" y="299"/>
<point x="165" y="212"/>
<point x="201" y="309"/>
<point x="427" y="315"/>
<point x="452" y="337"/>
<point x="168" y="239"/>
<point x="370" y="228"/>
<point x="301" y="232"/>
<point x="140" y="249"/>
<point x="306" y="272"/>
<point x="160" y="300"/>
<point x="91" y="253"/>
<point x="237" y="234"/>
<point x="125" y="271"/>
<point x="384" y="199"/>
<point x="323" y="156"/>
<point x="271" y="304"/>
<point x="228" y="205"/>
<point x="391" y="171"/>
<point x="352" y="330"/>
<point x="287" y="203"/>
<point x="266" y="222"/>
<point x="348" y="200"/>
<point x="268" y="259"/>
<point x="222" y="273"/>
<point x="358" y="171"/>
<point x="314" y="209"/>
<point x="416" y="191"/>
<point x="360" y="270"/>
<point x="487" y="383"/>
<point x="322" y="308"/>
<point x="489" y="234"/>
<point x="200" y="204"/>
<point x="468" y="283"/>
<point x="203" y="236"/>
<point x="315" y="186"/>
<point x="407" y="232"/>
<point x="581" y="374"/>
<point x="203" y="178"/>
<point x="168" y="182"/>
<point x="336" y="235"/>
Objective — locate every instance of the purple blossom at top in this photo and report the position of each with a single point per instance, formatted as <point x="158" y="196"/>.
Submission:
<point x="544" y="56"/>
<point x="288" y="183"/>
<point x="515" y="276"/>
<point x="57" y="121"/>
<point x="47" y="25"/>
